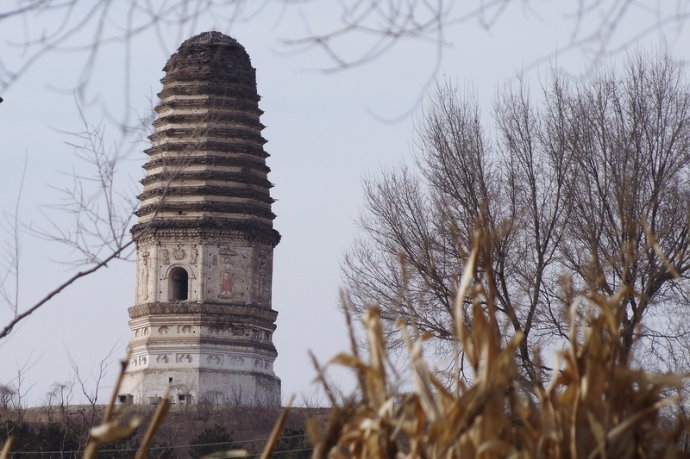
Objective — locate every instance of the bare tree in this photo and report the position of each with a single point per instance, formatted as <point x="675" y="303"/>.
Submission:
<point x="13" y="394"/>
<point x="591" y="182"/>
<point x="99" y="210"/>
<point x="90" y="387"/>
<point x="631" y="145"/>
<point x="59" y="397"/>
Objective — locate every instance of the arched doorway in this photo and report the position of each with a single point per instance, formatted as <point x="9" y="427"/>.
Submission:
<point x="178" y="288"/>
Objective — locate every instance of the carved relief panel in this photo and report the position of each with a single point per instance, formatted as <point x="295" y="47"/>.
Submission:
<point x="227" y="273"/>
<point x="146" y="273"/>
<point x="262" y="275"/>
<point x="183" y="358"/>
<point x="214" y="359"/>
<point x="165" y="256"/>
<point x="175" y="253"/>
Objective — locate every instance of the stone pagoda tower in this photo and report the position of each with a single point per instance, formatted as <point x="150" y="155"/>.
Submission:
<point x="202" y="325"/>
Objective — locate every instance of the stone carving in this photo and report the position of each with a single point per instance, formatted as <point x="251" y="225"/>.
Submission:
<point x="163" y="330"/>
<point x="133" y="363"/>
<point x="237" y="331"/>
<point x="184" y="329"/>
<point x="267" y="364"/>
<point x="258" y="363"/>
<point x="226" y="278"/>
<point x="142" y="360"/>
<point x="226" y="274"/>
<point x="215" y="359"/>
<point x="142" y="331"/>
<point x="237" y="361"/>
<point x="195" y="254"/>
<point x="144" y="286"/>
<point x="165" y="257"/>
<point x="163" y="358"/>
<point x="262" y="277"/>
<point x="178" y="253"/>
<point x="183" y="358"/>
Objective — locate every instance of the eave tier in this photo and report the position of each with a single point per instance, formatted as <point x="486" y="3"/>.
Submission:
<point x="232" y="209"/>
<point x="192" y="135"/>
<point x="246" y="93"/>
<point x="209" y="160"/>
<point x="216" y="314"/>
<point x="225" y="146"/>
<point x="249" y="107"/>
<point x="172" y="177"/>
<point x="207" y="116"/>
<point x="206" y="191"/>
<point x="206" y="228"/>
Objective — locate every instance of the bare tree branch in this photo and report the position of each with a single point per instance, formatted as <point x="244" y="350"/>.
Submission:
<point x="14" y="249"/>
<point x="19" y="317"/>
<point x="596" y="26"/>
<point x="593" y="182"/>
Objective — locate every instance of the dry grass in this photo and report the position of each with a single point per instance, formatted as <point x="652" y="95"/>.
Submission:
<point x="595" y="404"/>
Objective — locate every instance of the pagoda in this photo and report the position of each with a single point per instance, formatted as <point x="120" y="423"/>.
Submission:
<point x="202" y="323"/>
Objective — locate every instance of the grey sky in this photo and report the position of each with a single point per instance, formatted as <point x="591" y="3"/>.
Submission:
<point x="323" y="137"/>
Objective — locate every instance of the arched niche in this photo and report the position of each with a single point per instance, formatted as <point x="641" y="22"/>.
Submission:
<point x="178" y="284"/>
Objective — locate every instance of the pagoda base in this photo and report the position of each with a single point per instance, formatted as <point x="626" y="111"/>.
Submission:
<point x="219" y="387"/>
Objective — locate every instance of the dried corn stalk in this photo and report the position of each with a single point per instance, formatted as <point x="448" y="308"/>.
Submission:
<point x="594" y="406"/>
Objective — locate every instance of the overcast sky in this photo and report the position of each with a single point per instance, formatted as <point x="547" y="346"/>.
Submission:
<point x="325" y="133"/>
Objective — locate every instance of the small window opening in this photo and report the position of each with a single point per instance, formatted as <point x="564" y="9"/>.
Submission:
<point x="180" y="397"/>
<point x="178" y="284"/>
<point x="169" y="379"/>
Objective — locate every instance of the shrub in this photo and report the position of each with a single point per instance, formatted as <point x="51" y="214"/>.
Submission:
<point x="212" y="439"/>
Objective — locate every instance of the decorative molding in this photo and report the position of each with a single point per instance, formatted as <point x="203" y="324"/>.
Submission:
<point x="178" y="253"/>
<point x="183" y="358"/>
<point x="233" y="312"/>
<point x="215" y="359"/>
